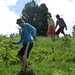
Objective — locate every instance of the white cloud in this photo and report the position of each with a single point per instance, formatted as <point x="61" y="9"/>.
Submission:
<point x="10" y="2"/>
<point x="7" y="17"/>
<point x="65" y="8"/>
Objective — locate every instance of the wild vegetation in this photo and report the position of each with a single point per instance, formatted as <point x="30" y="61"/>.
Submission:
<point x="48" y="57"/>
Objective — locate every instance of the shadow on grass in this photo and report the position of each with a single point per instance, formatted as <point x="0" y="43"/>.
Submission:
<point x="29" y="72"/>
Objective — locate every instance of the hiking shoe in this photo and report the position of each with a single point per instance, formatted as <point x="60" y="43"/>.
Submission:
<point x="21" y="72"/>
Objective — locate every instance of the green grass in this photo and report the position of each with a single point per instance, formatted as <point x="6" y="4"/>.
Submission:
<point x="48" y="57"/>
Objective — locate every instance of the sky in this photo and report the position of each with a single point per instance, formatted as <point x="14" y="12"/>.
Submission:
<point x="65" y="8"/>
<point x="10" y="10"/>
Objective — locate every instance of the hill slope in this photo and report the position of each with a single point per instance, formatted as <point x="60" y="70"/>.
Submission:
<point x="48" y="57"/>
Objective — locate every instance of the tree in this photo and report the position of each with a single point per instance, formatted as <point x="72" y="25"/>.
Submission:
<point x="28" y="12"/>
<point x="36" y="15"/>
<point x="41" y="19"/>
<point x="73" y="30"/>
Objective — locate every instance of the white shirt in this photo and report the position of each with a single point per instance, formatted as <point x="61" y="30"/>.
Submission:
<point x="50" y="22"/>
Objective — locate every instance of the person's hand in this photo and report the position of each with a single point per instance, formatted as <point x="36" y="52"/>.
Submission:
<point x="55" y="28"/>
<point x="35" y="39"/>
<point x="13" y="42"/>
<point x="66" y="28"/>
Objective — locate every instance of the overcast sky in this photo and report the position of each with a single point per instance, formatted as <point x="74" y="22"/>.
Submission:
<point x="10" y="10"/>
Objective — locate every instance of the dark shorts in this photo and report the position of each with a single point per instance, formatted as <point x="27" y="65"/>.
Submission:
<point x="61" y="29"/>
<point x="25" y="50"/>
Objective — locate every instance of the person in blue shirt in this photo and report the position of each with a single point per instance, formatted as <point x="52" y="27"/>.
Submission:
<point x="28" y="34"/>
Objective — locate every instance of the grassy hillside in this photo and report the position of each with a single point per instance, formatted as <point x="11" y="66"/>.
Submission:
<point x="48" y="57"/>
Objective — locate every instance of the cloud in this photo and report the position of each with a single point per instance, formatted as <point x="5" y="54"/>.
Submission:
<point x="9" y="2"/>
<point x="65" y="8"/>
<point x="7" y="17"/>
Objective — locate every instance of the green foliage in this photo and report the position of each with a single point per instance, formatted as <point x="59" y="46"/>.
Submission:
<point x="36" y="16"/>
<point x="73" y="30"/>
<point x="47" y="57"/>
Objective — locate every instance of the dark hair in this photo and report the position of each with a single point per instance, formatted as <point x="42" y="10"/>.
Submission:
<point x="50" y="14"/>
<point x="19" y="21"/>
<point x="57" y="15"/>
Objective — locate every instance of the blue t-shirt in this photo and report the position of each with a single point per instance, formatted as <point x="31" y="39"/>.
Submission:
<point x="28" y="32"/>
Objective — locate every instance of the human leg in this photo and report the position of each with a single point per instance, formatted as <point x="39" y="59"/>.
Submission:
<point x="49" y="31"/>
<point x="24" y="62"/>
<point x="26" y="54"/>
<point x="58" y="32"/>
<point x="52" y="31"/>
<point x="23" y="54"/>
<point x="29" y="49"/>
<point x="22" y="59"/>
<point x="62" y="31"/>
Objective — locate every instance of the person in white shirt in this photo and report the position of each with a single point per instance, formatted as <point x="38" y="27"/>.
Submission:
<point x="51" y="26"/>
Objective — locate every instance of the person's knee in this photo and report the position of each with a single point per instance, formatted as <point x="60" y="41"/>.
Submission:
<point x="18" y="56"/>
<point x="62" y="32"/>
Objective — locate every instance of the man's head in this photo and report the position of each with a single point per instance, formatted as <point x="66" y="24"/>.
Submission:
<point x="19" y="21"/>
<point x="57" y="16"/>
<point x="49" y="15"/>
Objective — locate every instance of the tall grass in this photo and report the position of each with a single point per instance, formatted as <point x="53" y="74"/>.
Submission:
<point x="48" y="57"/>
